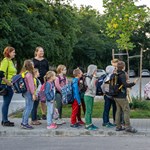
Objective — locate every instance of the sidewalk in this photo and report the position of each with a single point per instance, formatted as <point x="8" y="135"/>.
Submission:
<point x="142" y="125"/>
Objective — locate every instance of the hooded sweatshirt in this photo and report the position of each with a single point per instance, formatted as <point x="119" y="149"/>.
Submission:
<point x="91" y="81"/>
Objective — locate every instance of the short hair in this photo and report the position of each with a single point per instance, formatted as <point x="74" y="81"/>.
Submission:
<point x="114" y="60"/>
<point x="120" y="65"/>
<point x="8" y="50"/>
<point x="60" y="68"/>
<point x="49" y="75"/>
<point x="76" y="72"/>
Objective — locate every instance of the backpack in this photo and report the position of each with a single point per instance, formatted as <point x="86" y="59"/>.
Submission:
<point x="147" y="91"/>
<point x="60" y="81"/>
<point x="82" y="83"/>
<point x="19" y="85"/>
<point x="99" y="85"/>
<point x="67" y="94"/>
<point x="112" y="86"/>
<point x="41" y="94"/>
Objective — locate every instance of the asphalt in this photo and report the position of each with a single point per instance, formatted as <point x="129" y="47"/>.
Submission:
<point x="142" y="125"/>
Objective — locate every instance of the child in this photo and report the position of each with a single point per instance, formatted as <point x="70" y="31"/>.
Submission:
<point x="89" y="96"/>
<point x="108" y="100"/>
<point x="76" y="105"/>
<point x="50" y="95"/>
<point x="60" y="81"/>
<point x="30" y="94"/>
<point x="36" y="102"/>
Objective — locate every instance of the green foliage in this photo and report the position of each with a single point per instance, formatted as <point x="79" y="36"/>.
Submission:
<point x="123" y="17"/>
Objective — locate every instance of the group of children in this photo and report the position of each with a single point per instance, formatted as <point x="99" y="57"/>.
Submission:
<point x="84" y="91"/>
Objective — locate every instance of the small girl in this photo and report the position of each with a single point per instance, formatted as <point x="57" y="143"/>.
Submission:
<point x="60" y="81"/>
<point x="28" y="69"/>
<point x="50" y="96"/>
<point x="36" y="102"/>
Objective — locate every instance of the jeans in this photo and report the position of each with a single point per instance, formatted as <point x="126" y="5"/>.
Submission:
<point x="6" y="101"/>
<point x="107" y="106"/>
<point x="50" y="111"/>
<point x="59" y="104"/>
<point x="89" y="109"/>
<point x="34" y="110"/>
<point x="28" y="107"/>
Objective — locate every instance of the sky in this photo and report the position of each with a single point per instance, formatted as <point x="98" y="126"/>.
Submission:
<point x="98" y="4"/>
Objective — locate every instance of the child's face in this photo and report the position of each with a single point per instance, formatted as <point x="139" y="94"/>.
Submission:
<point x="53" y="78"/>
<point x="64" y="71"/>
<point x="114" y="64"/>
<point x="37" y="74"/>
<point x="80" y="74"/>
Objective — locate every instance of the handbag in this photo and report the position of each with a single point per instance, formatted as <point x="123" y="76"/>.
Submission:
<point x="3" y="89"/>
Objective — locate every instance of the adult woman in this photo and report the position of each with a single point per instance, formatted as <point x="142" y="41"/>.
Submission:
<point x="9" y="70"/>
<point x="42" y="65"/>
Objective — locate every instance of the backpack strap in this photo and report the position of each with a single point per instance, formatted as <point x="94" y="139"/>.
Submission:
<point x="60" y="80"/>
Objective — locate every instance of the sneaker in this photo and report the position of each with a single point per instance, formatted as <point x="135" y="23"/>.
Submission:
<point x="60" y="122"/>
<point x="44" y="117"/>
<point x="130" y="129"/>
<point x="111" y="124"/>
<point x="76" y="125"/>
<point x="27" y="126"/>
<point x="91" y="128"/>
<point x="52" y="126"/>
<point x="63" y="122"/>
<point x="81" y="123"/>
<point x="94" y="126"/>
<point x="108" y="125"/>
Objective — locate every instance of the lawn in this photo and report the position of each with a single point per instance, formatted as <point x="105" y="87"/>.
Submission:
<point x="138" y="110"/>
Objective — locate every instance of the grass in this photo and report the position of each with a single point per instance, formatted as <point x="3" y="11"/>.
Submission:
<point x="139" y="109"/>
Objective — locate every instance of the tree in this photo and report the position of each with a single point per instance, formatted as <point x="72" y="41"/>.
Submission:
<point x="124" y="17"/>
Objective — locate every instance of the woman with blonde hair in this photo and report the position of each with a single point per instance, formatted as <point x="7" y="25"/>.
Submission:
<point x="8" y="70"/>
<point x="42" y="65"/>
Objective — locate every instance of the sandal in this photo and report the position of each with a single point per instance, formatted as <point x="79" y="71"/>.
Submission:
<point x="35" y="123"/>
<point x="130" y="129"/>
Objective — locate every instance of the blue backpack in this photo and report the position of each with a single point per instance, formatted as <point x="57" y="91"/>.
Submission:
<point x="67" y="94"/>
<point x="19" y="85"/>
<point x="99" y="83"/>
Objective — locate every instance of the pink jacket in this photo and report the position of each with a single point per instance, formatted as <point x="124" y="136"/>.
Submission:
<point x="30" y="83"/>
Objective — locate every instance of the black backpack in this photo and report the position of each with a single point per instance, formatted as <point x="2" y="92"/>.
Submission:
<point x="114" y="87"/>
<point x="99" y="84"/>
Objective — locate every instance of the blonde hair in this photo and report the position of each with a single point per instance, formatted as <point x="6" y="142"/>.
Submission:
<point x="36" y="50"/>
<point x="114" y="61"/>
<point x="35" y="71"/>
<point x="49" y="75"/>
<point x="60" y="68"/>
<point x="76" y="72"/>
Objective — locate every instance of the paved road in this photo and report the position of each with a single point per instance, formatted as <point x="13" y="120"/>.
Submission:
<point x="18" y="101"/>
<point x="75" y="143"/>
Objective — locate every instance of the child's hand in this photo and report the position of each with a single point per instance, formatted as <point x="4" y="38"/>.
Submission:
<point x="34" y="97"/>
<point x="135" y="81"/>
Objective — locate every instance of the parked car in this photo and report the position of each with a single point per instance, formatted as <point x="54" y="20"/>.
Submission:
<point x="100" y="72"/>
<point x="145" y="73"/>
<point x="131" y="73"/>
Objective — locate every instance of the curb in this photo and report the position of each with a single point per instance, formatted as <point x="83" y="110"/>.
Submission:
<point x="67" y="133"/>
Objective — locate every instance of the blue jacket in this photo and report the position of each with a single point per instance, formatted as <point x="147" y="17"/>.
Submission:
<point x="76" y="92"/>
<point x="49" y="91"/>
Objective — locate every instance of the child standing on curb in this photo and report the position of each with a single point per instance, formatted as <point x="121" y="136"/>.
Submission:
<point x="89" y="96"/>
<point x="60" y="81"/>
<point x="30" y="94"/>
<point x="50" y="96"/>
<point x="36" y="102"/>
<point x="76" y="105"/>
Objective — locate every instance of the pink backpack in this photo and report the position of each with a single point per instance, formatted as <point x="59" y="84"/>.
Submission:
<point x="41" y="94"/>
<point x="147" y="91"/>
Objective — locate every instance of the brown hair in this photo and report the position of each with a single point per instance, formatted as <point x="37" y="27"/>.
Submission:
<point x="49" y="75"/>
<point x="76" y="72"/>
<point x="28" y="66"/>
<point x="36" y="50"/>
<point x="120" y="65"/>
<point x="8" y="50"/>
<point x="60" y="68"/>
